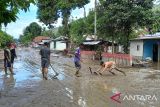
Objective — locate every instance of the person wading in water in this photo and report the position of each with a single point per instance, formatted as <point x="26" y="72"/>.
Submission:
<point x="45" y="59"/>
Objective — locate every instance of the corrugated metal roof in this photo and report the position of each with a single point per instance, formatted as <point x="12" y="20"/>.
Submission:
<point x="149" y="36"/>
<point x="40" y="38"/>
<point x="91" y="43"/>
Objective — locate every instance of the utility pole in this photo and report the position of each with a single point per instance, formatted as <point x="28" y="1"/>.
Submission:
<point x="95" y="19"/>
<point x="5" y="29"/>
<point x="84" y="11"/>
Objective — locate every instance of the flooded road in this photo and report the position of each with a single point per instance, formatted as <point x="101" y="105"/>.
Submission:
<point x="140" y="88"/>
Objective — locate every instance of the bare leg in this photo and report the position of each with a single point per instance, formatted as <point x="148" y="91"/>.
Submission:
<point x="101" y="73"/>
<point x="98" y="71"/>
<point x="112" y="72"/>
<point x="120" y="71"/>
<point x="43" y="72"/>
<point x="11" y="70"/>
<point x="5" y="70"/>
<point x="46" y="73"/>
<point x="12" y="65"/>
<point x="77" y="72"/>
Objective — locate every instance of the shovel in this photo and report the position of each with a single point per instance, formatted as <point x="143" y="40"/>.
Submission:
<point x="56" y="73"/>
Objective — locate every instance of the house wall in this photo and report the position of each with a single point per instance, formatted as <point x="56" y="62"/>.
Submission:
<point x="52" y="45"/>
<point x="58" y="45"/>
<point x="116" y="49"/>
<point x="136" y="49"/>
<point x="148" y="48"/>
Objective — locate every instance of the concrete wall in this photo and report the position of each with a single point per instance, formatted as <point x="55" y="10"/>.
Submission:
<point x="133" y="48"/>
<point x="52" y="45"/>
<point x="58" y="45"/>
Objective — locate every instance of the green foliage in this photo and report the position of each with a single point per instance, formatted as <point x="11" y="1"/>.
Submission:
<point x="156" y="19"/>
<point x="10" y="8"/>
<point x="25" y="39"/>
<point x="33" y="29"/>
<point x="89" y="20"/>
<point x="117" y="20"/>
<point x="47" y="12"/>
<point x="50" y="10"/>
<point x="121" y="16"/>
<point x="78" y="30"/>
<point x="50" y="33"/>
<point x="30" y="32"/>
<point x="4" y="37"/>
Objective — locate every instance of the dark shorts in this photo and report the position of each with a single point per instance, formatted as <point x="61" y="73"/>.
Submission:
<point x="12" y="60"/>
<point x="44" y="63"/>
<point x="7" y="63"/>
<point x="77" y="64"/>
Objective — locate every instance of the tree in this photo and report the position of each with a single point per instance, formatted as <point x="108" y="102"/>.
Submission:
<point x="30" y="32"/>
<point x="10" y="8"/>
<point x="89" y="20"/>
<point x="78" y="30"/>
<point x="156" y="19"/>
<point x="4" y="37"/>
<point x="50" y="10"/>
<point x="120" y="16"/>
<point x="25" y="39"/>
<point x="33" y="29"/>
<point x="50" y="33"/>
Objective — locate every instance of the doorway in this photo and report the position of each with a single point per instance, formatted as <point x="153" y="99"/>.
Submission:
<point x="155" y="52"/>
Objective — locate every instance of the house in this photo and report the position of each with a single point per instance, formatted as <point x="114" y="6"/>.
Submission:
<point x="59" y="43"/>
<point x="39" y="40"/>
<point x="105" y="46"/>
<point x="145" y="47"/>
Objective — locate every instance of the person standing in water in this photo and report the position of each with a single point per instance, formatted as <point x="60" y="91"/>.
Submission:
<point x="77" y="59"/>
<point x="13" y="53"/>
<point x="7" y="59"/>
<point x="45" y="59"/>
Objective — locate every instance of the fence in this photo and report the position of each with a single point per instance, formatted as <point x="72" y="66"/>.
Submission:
<point x="120" y="59"/>
<point x="88" y="54"/>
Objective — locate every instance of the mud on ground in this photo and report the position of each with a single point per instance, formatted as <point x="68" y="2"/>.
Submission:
<point x="28" y="89"/>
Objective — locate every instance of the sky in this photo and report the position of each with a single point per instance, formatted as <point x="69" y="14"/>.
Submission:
<point x="24" y="19"/>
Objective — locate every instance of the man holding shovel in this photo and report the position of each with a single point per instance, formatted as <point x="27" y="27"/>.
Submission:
<point x="45" y="59"/>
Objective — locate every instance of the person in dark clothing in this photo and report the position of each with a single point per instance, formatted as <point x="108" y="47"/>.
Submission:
<point x="45" y="59"/>
<point x="13" y="54"/>
<point x="77" y="60"/>
<point x="7" y="59"/>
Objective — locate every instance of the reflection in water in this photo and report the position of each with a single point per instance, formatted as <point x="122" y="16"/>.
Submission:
<point x="61" y="75"/>
<point x="82" y="102"/>
<point x="115" y="91"/>
<point x="23" y="72"/>
<point x="79" y="93"/>
<point x="69" y="93"/>
<point x="8" y="82"/>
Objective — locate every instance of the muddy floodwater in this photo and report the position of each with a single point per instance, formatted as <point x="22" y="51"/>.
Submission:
<point x="140" y="88"/>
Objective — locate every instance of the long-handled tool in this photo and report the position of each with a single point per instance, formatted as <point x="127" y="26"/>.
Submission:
<point x="90" y="69"/>
<point x="56" y="73"/>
